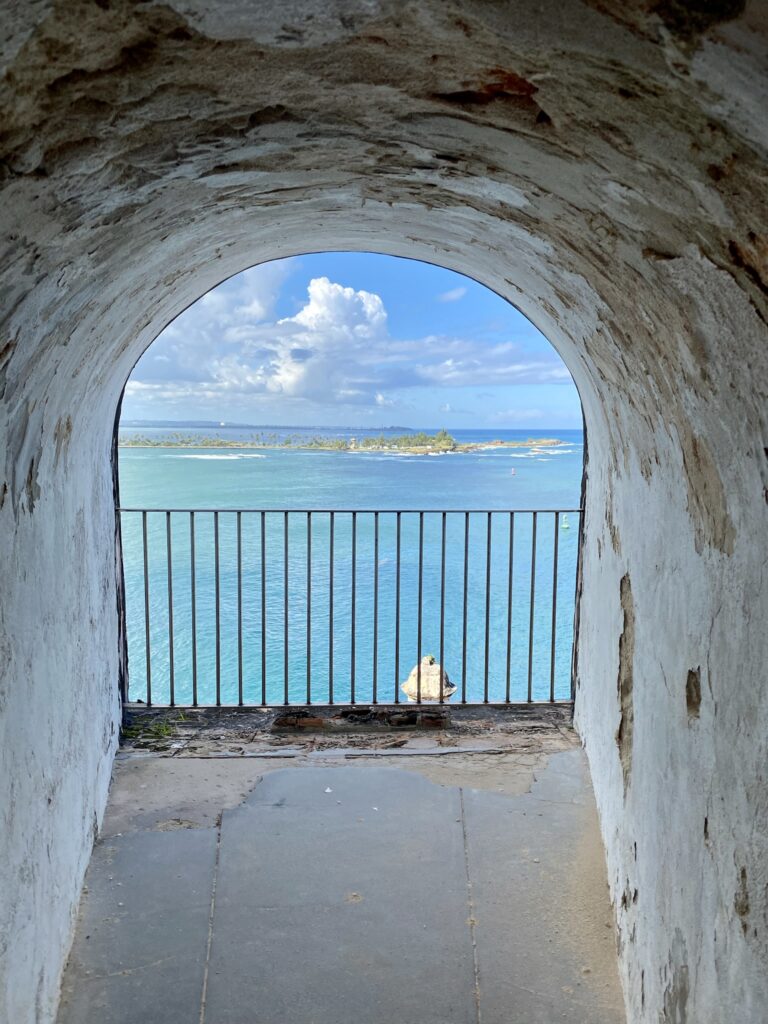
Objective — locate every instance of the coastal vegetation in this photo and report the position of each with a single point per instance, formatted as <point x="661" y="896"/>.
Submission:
<point x="417" y="443"/>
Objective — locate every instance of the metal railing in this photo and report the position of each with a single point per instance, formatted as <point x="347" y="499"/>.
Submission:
<point x="276" y="607"/>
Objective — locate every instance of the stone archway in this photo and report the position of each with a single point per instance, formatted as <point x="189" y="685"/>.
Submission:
<point x="601" y="170"/>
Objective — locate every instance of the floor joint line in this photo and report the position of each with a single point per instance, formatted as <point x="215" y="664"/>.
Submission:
<point x="471" y="903"/>
<point x="209" y="943"/>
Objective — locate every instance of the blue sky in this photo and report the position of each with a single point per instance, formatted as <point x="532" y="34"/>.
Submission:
<point x="355" y="339"/>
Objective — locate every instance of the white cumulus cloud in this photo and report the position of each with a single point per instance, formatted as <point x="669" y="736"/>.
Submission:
<point x="229" y="350"/>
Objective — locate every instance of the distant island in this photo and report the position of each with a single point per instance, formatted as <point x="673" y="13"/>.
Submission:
<point x="441" y="443"/>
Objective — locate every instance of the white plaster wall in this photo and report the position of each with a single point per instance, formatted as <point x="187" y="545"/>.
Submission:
<point x="687" y="836"/>
<point x="143" y="164"/>
<point x="58" y="714"/>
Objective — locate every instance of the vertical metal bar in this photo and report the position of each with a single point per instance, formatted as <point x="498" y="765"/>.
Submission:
<point x="576" y="593"/>
<point x="330" y="610"/>
<point x="309" y="607"/>
<point x="420" y="612"/>
<point x="397" y="611"/>
<point x="487" y="606"/>
<point x="263" y="608"/>
<point x="509" y="602"/>
<point x="123" y="678"/>
<point x="146" y="609"/>
<point x="239" y="611"/>
<point x="533" y="601"/>
<point x="169" y="560"/>
<point x="218" y="606"/>
<point x="464" y="620"/>
<point x="554" y="612"/>
<point x="442" y="606"/>
<point x="375" y="606"/>
<point x="354" y="597"/>
<point x="193" y="594"/>
<point x="285" y="609"/>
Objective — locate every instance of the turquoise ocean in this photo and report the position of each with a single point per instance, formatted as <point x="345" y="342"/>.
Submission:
<point x="252" y="661"/>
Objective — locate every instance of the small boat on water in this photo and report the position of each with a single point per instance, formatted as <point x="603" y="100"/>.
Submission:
<point x="564" y="524"/>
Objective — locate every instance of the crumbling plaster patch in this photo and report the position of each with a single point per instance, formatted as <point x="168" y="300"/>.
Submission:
<point x="149" y="151"/>
<point x="625" y="730"/>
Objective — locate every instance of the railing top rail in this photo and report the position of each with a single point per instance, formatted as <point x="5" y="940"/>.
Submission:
<point x="366" y="511"/>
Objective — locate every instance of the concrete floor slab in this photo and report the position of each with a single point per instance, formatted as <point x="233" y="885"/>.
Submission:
<point x="545" y="935"/>
<point x="342" y="897"/>
<point x="140" y="946"/>
<point x="416" y="890"/>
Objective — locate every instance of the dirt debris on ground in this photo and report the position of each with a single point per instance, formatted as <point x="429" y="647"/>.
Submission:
<point x="297" y="732"/>
<point x="179" y="768"/>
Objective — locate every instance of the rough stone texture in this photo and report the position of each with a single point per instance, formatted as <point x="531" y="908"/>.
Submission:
<point x="428" y="681"/>
<point x="603" y="166"/>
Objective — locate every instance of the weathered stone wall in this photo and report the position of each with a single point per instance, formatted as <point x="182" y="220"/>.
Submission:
<point x="602" y="166"/>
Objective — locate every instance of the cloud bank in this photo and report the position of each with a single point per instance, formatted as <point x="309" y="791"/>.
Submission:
<point x="230" y="351"/>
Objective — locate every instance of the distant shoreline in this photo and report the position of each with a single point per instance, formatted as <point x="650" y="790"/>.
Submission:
<point x="417" y="444"/>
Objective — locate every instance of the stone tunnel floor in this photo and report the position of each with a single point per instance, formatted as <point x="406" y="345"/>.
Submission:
<point x="255" y="871"/>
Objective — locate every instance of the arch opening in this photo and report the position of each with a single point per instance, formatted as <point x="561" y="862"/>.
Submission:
<point x="287" y="351"/>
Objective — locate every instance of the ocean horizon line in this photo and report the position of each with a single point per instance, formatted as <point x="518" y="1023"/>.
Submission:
<point x="225" y="425"/>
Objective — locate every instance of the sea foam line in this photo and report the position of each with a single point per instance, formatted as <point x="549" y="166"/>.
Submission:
<point x="227" y="455"/>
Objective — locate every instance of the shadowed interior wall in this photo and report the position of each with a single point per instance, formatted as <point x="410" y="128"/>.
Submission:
<point x="600" y="165"/>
